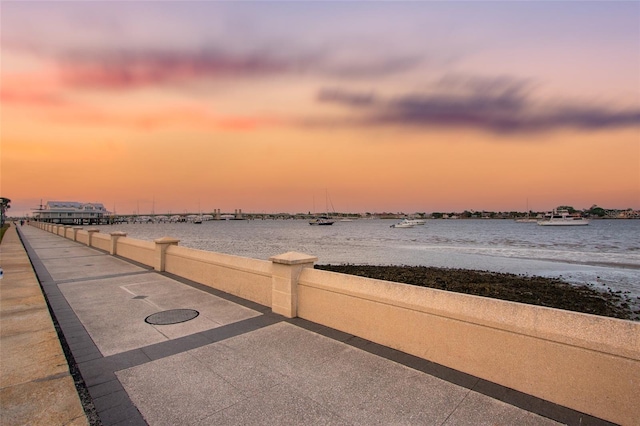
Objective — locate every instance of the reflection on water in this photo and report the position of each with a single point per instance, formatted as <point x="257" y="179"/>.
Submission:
<point x="605" y="254"/>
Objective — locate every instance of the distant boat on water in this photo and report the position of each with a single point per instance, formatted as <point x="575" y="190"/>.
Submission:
<point x="403" y="224"/>
<point x="322" y="220"/>
<point x="198" y="219"/>
<point x="527" y="219"/>
<point x="415" y="221"/>
<point x="563" y="218"/>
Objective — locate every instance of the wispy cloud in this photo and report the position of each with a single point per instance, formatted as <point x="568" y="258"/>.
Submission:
<point x="31" y="98"/>
<point x="54" y="107"/>
<point x="150" y="121"/>
<point x="131" y="69"/>
<point x="32" y="89"/>
<point x="134" y="69"/>
<point x="501" y="105"/>
<point x="368" y="67"/>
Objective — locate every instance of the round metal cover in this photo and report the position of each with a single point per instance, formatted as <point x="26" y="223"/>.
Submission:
<point x="173" y="316"/>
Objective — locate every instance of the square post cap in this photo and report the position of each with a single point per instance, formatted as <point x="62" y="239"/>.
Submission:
<point x="166" y="240"/>
<point x="293" y="258"/>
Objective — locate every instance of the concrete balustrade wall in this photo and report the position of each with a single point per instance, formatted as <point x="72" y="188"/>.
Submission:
<point x="82" y="237"/>
<point x="136" y="250"/>
<point x="101" y="241"/>
<point x="240" y="276"/>
<point x="584" y="362"/>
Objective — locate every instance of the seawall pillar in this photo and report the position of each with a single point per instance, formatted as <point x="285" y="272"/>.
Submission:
<point x="75" y="232"/>
<point x="161" y="252"/>
<point x="91" y="231"/>
<point x="286" y="269"/>
<point x="113" y="247"/>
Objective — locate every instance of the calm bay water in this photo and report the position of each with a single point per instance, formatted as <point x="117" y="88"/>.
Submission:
<point x="605" y="254"/>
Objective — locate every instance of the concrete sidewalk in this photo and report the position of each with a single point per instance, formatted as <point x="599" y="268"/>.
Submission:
<point x="237" y="363"/>
<point x="36" y="387"/>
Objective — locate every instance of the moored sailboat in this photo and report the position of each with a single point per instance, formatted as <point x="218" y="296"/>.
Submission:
<point x="323" y="220"/>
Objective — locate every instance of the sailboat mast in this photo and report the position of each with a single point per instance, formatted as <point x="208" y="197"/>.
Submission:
<point x="326" y="201"/>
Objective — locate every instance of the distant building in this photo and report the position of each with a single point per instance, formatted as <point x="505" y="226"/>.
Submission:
<point x="71" y="212"/>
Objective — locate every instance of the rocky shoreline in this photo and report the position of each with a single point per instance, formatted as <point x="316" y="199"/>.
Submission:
<point x="532" y="290"/>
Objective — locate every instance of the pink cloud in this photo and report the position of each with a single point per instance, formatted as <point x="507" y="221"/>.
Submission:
<point x="131" y="69"/>
<point x="188" y="118"/>
<point x="9" y="96"/>
<point x="52" y="101"/>
<point x="124" y="70"/>
<point x="39" y="89"/>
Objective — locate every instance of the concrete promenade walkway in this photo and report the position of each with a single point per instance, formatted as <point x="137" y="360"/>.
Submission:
<point x="236" y="363"/>
<point x="36" y="387"/>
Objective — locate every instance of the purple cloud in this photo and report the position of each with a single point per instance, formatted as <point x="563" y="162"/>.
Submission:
<point x="498" y="106"/>
<point x="353" y="99"/>
<point x="373" y="67"/>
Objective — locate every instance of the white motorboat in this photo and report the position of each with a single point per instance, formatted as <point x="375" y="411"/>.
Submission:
<point x="563" y="218"/>
<point x="415" y="221"/>
<point x="402" y="225"/>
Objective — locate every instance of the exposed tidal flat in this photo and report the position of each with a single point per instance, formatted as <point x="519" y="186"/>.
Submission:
<point x="599" y="261"/>
<point x="549" y="292"/>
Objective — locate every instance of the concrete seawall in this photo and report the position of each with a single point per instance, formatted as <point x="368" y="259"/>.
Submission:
<point x="587" y="363"/>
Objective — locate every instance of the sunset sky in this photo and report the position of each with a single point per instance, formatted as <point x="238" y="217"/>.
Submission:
<point x="268" y="106"/>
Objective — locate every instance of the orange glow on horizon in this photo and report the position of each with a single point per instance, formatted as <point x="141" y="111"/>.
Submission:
<point x="274" y="172"/>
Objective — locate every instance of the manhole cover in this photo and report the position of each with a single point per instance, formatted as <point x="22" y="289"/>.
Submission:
<point x="173" y="316"/>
